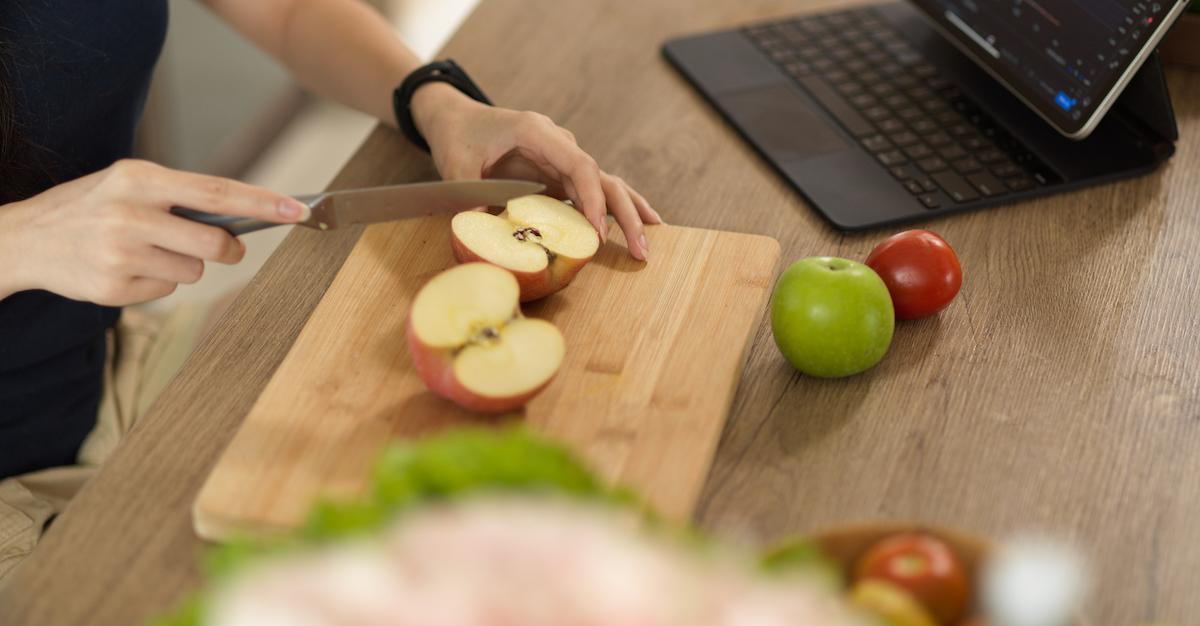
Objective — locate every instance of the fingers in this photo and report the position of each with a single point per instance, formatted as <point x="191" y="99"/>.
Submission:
<point x="622" y="207"/>
<point x="540" y="140"/>
<point x="211" y="194"/>
<point x="146" y="289"/>
<point x="189" y="238"/>
<point x="163" y="265"/>
<point x="647" y="212"/>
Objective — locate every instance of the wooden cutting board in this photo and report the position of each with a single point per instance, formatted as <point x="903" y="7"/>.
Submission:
<point x="654" y="354"/>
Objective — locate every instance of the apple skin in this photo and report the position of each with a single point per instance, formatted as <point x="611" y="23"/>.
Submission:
<point x="831" y="317"/>
<point x="558" y="274"/>
<point x="920" y="270"/>
<point x="435" y="366"/>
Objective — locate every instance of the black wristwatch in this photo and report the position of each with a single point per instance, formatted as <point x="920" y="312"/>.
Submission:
<point x="439" y="71"/>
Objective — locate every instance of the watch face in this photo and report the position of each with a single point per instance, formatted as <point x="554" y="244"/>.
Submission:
<point x="1067" y="59"/>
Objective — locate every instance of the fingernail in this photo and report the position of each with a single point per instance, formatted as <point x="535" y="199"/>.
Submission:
<point x="602" y="231"/>
<point x="656" y="215"/>
<point x="293" y="210"/>
<point x="645" y="245"/>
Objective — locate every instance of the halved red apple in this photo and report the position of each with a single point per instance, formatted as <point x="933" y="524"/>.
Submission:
<point x="542" y="241"/>
<point x="471" y="345"/>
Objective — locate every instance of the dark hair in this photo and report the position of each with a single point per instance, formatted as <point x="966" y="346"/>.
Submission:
<point x="16" y="157"/>
<point x="10" y="141"/>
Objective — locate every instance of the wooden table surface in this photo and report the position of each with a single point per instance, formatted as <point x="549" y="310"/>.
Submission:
<point x="1058" y="393"/>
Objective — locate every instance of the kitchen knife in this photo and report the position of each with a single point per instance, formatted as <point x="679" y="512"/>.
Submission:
<point x="339" y="209"/>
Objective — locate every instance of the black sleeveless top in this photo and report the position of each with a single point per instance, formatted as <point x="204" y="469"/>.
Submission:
<point x="79" y="70"/>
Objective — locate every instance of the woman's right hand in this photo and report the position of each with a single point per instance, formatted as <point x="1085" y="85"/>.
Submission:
<point x="110" y="238"/>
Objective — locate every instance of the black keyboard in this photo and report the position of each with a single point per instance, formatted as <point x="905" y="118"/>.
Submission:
<point x="929" y="135"/>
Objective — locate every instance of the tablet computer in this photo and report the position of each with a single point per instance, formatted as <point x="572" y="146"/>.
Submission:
<point x="1068" y="60"/>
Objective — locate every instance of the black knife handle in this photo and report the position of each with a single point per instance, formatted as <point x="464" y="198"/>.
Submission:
<point x="231" y="224"/>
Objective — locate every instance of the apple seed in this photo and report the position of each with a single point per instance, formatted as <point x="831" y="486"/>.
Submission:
<point x="527" y="234"/>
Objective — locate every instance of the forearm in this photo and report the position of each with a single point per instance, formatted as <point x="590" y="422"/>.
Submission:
<point x="342" y="50"/>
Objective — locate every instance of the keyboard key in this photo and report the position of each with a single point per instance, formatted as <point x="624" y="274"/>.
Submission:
<point x="837" y="107"/>
<point x="924" y="126"/>
<point x="901" y="172"/>
<point x="877" y="143"/>
<point x="904" y="138"/>
<point x="837" y="76"/>
<point x="896" y="101"/>
<point x="920" y="93"/>
<point x="782" y="55"/>
<point x="947" y="117"/>
<point x="961" y="130"/>
<point x="937" y="83"/>
<point x="1007" y="170"/>
<point x="968" y="165"/>
<point x="975" y="143"/>
<point x="918" y="151"/>
<point x="930" y="201"/>
<point x="939" y="139"/>
<point x="1020" y="183"/>
<point x="932" y="164"/>
<point x="877" y="113"/>
<point x="991" y="155"/>
<point x="987" y="184"/>
<point x="956" y="186"/>
<point x="849" y="87"/>
<point x="810" y="53"/>
<point x="952" y="152"/>
<point x="927" y="183"/>
<point x="887" y="68"/>
<point x="890" y="125"/>
<point x="841" y="53"/>
<point x="925" y="70"/>
<point x="904" y="81"/>
<point x="914" y="187"/>
<point x="869" y="77"/>
<point x="797" y="69"/>
<point x="894" y="157"/>
<point x="883" y="89"/>
<point x="910" y="113"/>
<point x="935" y="107"/>
<point x="863" y="100"/>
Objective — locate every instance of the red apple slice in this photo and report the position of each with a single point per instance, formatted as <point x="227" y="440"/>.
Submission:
<point x="542" y="241"/>
<point x="471" y="345"/>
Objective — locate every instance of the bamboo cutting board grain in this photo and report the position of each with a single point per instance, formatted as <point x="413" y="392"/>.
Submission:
<point x="654" y="353"/>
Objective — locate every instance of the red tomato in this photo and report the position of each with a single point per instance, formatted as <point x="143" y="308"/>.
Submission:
<point x="920" y="270"/>
<point x="925" y="567"/>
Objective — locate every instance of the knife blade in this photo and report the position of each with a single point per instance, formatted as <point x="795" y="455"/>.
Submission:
<point x="339" y="209"/>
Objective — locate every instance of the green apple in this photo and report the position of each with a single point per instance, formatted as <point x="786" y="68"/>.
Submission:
<point x="831" y="317"/>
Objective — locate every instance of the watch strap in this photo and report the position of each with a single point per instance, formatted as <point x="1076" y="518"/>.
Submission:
<point x="446" y="71"/>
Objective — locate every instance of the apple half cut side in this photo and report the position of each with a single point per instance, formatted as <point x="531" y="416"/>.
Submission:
<point x="542" y="241"/>
<point x="471" y="345"/>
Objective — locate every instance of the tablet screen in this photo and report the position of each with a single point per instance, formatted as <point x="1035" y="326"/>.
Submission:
<point x="1068" y="59"/>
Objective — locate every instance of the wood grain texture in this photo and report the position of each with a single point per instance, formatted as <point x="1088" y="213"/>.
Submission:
<point x="654" y="354"/>
<point x="1058" y="393"/>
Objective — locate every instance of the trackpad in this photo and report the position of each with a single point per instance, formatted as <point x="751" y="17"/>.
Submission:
<point x="781" y="122"/>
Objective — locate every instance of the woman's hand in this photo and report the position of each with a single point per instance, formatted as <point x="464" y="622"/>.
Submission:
<point x="472" y="140"/>
<point x="110" y="238"/>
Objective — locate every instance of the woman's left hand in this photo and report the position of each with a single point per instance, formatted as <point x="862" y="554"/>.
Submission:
<point x="470" y="140"/>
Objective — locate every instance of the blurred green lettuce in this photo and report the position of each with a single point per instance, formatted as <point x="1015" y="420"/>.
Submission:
<point x="411" y="474"/>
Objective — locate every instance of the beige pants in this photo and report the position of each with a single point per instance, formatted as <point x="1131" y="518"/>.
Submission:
<point x="144" y="353"/>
